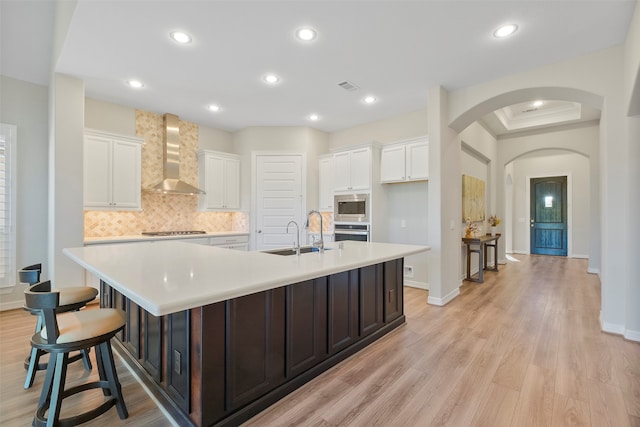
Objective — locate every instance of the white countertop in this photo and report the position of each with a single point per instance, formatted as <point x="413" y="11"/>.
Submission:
<point x="141" y="238"/>
<point x="165" y="277"/>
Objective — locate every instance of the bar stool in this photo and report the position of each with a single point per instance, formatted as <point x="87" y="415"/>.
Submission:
<point x="71" y="331"/>
<point x="71" y="299"/>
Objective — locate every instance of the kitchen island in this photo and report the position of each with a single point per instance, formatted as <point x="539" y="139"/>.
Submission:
<point x="219" y="335"/>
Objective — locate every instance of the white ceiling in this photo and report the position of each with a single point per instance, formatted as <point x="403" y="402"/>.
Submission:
<point x="395" y="50"/>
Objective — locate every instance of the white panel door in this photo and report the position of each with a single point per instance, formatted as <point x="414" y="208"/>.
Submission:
<point x="279" y="199"/>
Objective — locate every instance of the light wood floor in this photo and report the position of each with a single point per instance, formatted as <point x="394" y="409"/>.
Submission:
<point x="522" y="349"/>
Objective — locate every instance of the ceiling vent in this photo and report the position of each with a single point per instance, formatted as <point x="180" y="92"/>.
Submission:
<point x="348" y="86"/>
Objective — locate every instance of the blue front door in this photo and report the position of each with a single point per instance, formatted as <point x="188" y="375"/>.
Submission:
<point x="548" y="219"/>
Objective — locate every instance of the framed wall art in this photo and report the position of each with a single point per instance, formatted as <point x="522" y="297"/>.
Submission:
<point x="472" y="198"/>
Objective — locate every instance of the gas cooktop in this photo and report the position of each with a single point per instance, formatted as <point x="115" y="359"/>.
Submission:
<point x="172" y="233"/>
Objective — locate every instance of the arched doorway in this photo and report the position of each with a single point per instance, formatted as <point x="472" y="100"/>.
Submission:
<point x="517" y="221"/>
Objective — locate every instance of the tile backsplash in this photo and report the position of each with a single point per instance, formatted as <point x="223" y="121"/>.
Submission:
<point x="163" y="211"/>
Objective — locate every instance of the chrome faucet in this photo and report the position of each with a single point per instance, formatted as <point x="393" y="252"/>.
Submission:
<point x="296" y="244"/>
<point x="320" y="243"/>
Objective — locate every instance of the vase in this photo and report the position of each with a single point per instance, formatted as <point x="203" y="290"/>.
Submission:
<point x="493" y="231"/>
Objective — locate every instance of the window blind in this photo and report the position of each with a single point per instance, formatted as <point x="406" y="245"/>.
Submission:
<point x="7" y="206"/>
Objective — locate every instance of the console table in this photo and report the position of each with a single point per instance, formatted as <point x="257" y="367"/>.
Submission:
<point x="480" y="244"/>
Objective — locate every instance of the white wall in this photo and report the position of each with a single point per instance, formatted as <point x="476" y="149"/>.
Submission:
<point x="109" y="117"/>
<point x="66" y="220"/>
<point x="406" y="201"/>
<point x="554" y="163"/>
<point x="398" y="128"/>
<point x="25" y="105"/>
<point x="632" y="88"/>
<point x="121" y="119"/>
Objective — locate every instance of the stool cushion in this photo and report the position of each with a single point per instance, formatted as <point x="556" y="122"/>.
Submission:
<point x="76" y="294"/>
<point x="81" y="325"/>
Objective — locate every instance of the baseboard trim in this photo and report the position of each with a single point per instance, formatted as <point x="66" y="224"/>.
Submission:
<point x="440" y="302"/>
<point x="11" y="305"/>
<point x="593" y="271"/>
<point x="632" y="335"/>
<point x="581" y="256"/>
<point x="616" y="329"/>
<point x="415" y="284"/>
<point x="521" y="252"/>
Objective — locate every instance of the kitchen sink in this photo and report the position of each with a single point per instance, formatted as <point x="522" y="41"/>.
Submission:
<point x="289" y="251"/>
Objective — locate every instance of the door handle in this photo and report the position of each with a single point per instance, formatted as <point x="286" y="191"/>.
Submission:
<point x="259" y="231"/>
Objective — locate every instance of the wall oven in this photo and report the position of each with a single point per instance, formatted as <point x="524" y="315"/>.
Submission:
<point x="351" y="208"/>
<point x="358" y="232"/>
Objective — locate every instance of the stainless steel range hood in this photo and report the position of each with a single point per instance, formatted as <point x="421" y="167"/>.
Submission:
<point x="171" y="184"/>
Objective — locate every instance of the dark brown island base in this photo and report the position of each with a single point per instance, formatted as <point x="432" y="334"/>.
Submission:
<point x="222" y="363"/>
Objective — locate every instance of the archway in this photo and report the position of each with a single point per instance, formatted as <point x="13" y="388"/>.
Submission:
<point x="506" y="157"/>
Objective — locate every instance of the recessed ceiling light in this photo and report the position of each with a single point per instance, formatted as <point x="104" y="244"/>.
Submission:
<point x="180" y="37"/>
<point x="369" y="99"/>
<point x="505" y="30"/>
<point x="271" y="79"/>
<point x="306" y="34"/>
<point x="537" y="103"/>
<point x="213" y="107"/>
<point x="137" y="84"/>
<point x="314" y="117"/>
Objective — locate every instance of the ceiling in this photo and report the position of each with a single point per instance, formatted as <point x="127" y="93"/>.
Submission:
<point x="393" y="50"/>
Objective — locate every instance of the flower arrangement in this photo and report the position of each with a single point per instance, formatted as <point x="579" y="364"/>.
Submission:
<point x="493" y="220"/>
<point x="472" y="228"/>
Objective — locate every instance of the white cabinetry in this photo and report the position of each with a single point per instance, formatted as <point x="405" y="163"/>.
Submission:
<point x="220" y="178"/>
<point x="352" y="170"/>
<point x="112" y="171"/>
<point x="326" y="185"/>
<point x="240" y="243"/>
<point x="406" y="161"/>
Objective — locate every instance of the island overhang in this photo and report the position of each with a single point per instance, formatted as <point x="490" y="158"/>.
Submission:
<point x="165" y="277"/>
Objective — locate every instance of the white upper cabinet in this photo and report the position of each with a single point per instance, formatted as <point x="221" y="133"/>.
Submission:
<point x="220" y="178"/>
<point x="407" y="161"/>
<point x="325" y="180"/>
<point x="112" y="171"/>
<point x="352" y="170"/>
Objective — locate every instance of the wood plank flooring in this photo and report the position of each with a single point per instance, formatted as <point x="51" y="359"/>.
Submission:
<point x="522" y="349"/>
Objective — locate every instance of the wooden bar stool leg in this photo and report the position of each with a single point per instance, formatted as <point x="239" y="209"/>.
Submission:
<point x="45" y="395"/>
<point x="101" y="372"/>
<point x="32" y="366"/>
<point x="57" y="390"/>
<point x="86" y="360"/>
<point x="112" y="377"/>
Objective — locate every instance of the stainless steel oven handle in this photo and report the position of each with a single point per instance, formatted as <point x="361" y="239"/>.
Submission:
<point x="351" y="233"/>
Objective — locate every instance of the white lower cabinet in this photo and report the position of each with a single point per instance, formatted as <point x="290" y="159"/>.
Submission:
<point x="112" y="171"/>
<point x="240" y="243"/>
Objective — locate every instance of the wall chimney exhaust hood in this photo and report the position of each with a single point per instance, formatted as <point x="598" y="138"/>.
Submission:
<point x="171" y="184"/>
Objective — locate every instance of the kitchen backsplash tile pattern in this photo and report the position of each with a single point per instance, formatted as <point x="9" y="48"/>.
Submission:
<point x="163" y="211"/>
<point x="327" y="222"/>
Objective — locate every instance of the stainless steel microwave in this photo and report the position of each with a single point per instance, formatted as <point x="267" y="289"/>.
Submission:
<point x="351" y="208"/>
